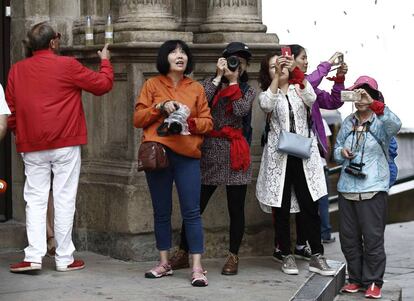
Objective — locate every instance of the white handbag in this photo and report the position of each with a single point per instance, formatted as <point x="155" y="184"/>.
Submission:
<point x="294" y="144"/>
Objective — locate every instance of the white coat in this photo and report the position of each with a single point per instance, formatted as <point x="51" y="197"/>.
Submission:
<point x="271" y="179"/>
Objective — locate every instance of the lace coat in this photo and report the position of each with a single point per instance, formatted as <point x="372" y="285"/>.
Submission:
<point x="271" y="179"/>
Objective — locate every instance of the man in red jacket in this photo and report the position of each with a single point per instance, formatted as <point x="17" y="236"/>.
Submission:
<point x="44" y="96"/>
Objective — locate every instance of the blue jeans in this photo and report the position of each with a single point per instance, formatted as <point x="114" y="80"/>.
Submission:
<point x="185" y="172"/>
<point x="324" y="214"/>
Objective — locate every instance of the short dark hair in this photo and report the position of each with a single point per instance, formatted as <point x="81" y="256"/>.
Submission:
<point x="264" y="76"/>
<point x="163" y="66"/>
<point x="296" y="49"/>
<point x="39" y="36"/>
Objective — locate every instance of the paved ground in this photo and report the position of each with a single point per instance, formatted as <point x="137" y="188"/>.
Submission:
<point x="259" y="278"/>
<point x="109" y="279"/>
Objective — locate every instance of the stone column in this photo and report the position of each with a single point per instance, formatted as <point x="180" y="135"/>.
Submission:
<point x="231" y="20"/>
<point x="135" y="21"/>
<point x="194" y="13"/>
<point x="98" y="10"/>
<point x="63" y="14"/>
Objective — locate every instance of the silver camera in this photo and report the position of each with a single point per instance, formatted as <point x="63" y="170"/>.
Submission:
<point x="339" y="60"/>
<point x="176" y="122"/>
<point x="350" y="96"/>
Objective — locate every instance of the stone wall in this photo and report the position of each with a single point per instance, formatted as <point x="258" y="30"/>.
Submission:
<point x="114" y="211"/>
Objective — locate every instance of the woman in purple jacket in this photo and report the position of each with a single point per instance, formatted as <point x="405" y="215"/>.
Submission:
<point x="324" y="100"/>
<point x="328" y="101"/>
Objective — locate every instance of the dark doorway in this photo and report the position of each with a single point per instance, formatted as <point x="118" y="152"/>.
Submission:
<point x="5" y="145"/>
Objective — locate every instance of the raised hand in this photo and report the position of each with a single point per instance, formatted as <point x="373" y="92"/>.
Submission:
<point x="347" y="153"/>
<point x="335" y="58"/>
<point x="221" y="66"/>
<point x="366" y="99"/>
<point x="104" y="54"/>
<point x="342" y="70"/>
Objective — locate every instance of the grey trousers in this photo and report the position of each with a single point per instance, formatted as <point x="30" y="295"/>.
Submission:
<point x="361" y="232"/>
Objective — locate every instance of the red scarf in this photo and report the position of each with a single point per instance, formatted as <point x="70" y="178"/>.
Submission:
<point x="296" y="77"/>
<point x="239" y="148"/>
<point x="232" y="92"/>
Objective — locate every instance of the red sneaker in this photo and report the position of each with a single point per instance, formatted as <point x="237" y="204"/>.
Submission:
<point x="75" y="265"/>
<point x="351" y="288"/>
<point x="373" y="292"/>
<point x="25" y="266"/>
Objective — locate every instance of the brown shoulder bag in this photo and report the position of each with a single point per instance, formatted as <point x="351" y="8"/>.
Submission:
<point x="152" y="156"/>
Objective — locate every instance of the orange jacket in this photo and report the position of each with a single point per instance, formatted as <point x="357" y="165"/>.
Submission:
<point x="189" y="92"/>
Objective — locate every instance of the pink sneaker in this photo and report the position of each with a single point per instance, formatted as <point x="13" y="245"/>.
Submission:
<point x="373" y="292"/>
<point x="75" y="265"/>
<point x="159" y="271"/>
<point x="198" y="277"/>
<point x="25" y="266"/>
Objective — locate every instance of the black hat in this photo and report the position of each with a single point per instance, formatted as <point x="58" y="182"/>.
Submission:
<point x="239" y="48"/>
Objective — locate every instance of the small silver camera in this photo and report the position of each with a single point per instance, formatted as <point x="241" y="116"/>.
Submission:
<point x="350" y="96"/>
<point x="339" y="60"/>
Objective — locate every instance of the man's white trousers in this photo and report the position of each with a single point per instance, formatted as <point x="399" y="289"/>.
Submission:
<point x="65" y="164"/>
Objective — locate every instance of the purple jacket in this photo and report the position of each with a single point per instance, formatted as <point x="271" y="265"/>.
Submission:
<point x="324" y="100"/>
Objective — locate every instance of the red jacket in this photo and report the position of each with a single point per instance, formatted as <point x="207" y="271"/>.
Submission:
<point x="44" y="96"/>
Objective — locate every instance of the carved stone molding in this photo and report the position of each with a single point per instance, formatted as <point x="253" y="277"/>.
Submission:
<point x="231" y="3"/>
<point x="233" y="16"/>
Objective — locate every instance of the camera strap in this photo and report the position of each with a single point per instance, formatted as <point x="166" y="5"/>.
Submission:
<point x="361" y="135"/>
<point x="368" y="130"/>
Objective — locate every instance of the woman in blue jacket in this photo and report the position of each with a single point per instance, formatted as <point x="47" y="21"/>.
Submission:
<point x="362" y="149"/>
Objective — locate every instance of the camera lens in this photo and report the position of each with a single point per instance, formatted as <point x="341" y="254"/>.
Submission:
<point x="233" y="63"/>
<point x="175" y="128"/>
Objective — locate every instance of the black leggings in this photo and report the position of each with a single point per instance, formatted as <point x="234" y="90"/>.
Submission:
<point x="300" y="229"/>
<point x="236" y="195"/>
<point x="309" y="216"/>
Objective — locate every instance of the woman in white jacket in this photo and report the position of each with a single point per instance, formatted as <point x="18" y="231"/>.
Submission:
<point x="289" y="98"/>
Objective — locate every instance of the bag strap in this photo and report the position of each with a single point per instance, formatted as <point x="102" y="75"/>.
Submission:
<point x="378" y="141"/>
<point x="292" y="118"/>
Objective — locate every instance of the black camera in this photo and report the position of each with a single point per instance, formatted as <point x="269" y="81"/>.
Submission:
<point x="355" y="169"/>
<point x="233" y="62"/>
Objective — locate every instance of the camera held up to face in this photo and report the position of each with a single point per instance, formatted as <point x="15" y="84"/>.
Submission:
<point x="350" y="96"/>
<point x="233" y="62"/>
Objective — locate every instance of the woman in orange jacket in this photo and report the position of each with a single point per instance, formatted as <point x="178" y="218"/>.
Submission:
<point x="170" y="93"/>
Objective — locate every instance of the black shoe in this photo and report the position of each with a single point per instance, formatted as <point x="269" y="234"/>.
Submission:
<point x="304" y="253"/>
<point x="277" y="255"/>
<point x="328" y="241"/>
